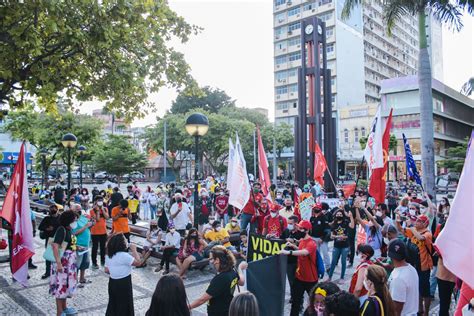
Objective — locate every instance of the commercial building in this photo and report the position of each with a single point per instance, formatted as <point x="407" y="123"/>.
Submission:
<point x="453" y="118"/>
<point x="112" y="124"/>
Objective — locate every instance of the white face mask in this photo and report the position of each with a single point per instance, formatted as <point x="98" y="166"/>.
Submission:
<point x="272" y="214"/>
<point x="100" y="203"/>
<point x="386" y="241"/>
<point x="291" y="226"/>
<point x="221" y="193"/>
<point x="412" y="212"/>
<point x="73" y="225"/>
<point x="378" y="214"/>
<point x="218" y="229"/>
<point x="366" y="285"/>
<point x="443" y="202"/>
<point x="233" y="224"/>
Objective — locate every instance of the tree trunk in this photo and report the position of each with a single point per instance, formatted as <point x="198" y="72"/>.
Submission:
<point x="426" y="109"/>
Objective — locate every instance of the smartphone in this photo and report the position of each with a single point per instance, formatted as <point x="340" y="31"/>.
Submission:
<point x="350" y="202"/>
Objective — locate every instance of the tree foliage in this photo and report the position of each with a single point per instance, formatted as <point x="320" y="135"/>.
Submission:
<point x="117" y="157"/>
<point x="45" y="131"/>
<point x="457" y="156"/>
<point x="113" y="51"/>
<point x="206" y="99"/>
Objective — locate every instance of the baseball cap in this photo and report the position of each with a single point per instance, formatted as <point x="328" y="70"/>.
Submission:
<point x="397" y="250"/>
<point x="305" y="224"/>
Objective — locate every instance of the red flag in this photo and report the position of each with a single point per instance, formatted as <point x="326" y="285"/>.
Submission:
<point x="349" y="189"/>
<point x="379" y="175"/>
<point x="320" y="165"/>
<point x="16" y="211"/>
<point x="263" y="173"/>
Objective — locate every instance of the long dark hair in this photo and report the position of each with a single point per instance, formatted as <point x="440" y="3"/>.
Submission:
<point x="225" y="256"/>
<point x="244" y="304"/>
<point x="378" y="276"/>
<point x="169" y="298"/>
<point x="116" y="243"/>
<point x="189" y="237"/>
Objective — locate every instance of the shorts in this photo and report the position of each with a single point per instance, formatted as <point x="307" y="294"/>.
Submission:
<point x="424" y="283"/>
<point x="83" y="261"/>
<point x="203" y="219"/>
<point x="197" y="255"/>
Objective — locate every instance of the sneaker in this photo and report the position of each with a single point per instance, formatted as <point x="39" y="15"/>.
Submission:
<point x="32" y="266"/>
<point x="340" y="281"/>
<point x="95" y="267"/>
<point x="166" y="272"/>
<point x="44" y="276"/>
<point x="159" y="268"/>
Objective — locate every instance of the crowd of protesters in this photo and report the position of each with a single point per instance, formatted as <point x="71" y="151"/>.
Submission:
<point x="397" y="271"/>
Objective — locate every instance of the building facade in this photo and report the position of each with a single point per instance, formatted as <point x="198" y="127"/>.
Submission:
<point x="113" y="124"/>
<point x="453" y="118"/>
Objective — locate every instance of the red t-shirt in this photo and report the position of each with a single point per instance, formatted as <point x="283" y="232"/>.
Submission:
<point x="274" y="225"/>
<point x="249" y="208"/>
<point x="306" y="270"/>
<point x="223" y="202"/>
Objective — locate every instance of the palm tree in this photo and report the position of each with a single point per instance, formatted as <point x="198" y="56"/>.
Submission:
<point x="468" y="87"/>
<point x="447" y="12"/>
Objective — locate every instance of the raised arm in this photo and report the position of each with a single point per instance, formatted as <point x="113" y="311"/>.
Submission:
<point x="372" y="219"/>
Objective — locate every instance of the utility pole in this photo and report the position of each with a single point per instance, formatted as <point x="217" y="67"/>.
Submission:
<point x="165" y="155"/>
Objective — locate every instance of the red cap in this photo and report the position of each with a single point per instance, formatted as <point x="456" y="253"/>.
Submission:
<point x="317" y="206"/>
<point x="305" y="224"/>
<point x="275" y="207"/>
<point x="423" y="218"/>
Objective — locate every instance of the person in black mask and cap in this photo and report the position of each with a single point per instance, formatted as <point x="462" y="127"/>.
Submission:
<point x="47" y="228"/>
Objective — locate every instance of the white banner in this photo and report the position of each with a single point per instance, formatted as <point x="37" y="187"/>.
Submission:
<point x="239" y="187"/>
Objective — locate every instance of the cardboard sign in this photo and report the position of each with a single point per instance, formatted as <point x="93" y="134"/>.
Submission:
<point x="260" y="247"/>
<point x="306" y="207"/>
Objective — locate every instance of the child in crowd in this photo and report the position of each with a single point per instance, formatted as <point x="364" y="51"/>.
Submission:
<point x="243" y="245"/>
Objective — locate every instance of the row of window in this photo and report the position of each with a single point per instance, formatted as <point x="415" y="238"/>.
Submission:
<point x="330" y="48"/>
<point x="292" y="88"/>
<point x="294" y="41"/>
<point x="357" y="135"/>
<point x="306" y="6"/>
<point x="297" y="25"/>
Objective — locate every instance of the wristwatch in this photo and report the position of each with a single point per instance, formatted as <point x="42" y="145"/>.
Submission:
<point x="291" y="252"/>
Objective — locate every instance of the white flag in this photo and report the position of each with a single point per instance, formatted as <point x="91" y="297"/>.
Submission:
<point x="373" y="152"/>
<point x="239" y="186"/>
<point x="230" y="164"/>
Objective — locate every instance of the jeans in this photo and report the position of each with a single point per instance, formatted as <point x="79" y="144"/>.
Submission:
<point x="298" y="289"/>
<point x="145" y="211"/>
<point x="245" y="221"/>
<point x="98" y="241"/>
<point x="445" y="292"/>
<point x="336" y="254"/>
<point x="352" y="237"/>
<point x="433" y="281"/>
<point x="153" y="211"/>
<point x="323" y="247"/>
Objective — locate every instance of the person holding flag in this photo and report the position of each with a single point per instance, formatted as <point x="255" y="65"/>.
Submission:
<point x="16" y="212"/>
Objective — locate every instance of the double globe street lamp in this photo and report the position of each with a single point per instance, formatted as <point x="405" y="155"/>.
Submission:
<point x="69" y="141"/>
<point x="197" y="125"/>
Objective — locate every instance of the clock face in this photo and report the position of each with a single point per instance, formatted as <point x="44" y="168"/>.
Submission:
<point x="320" y="30"/>
<point x="309" y="29"/>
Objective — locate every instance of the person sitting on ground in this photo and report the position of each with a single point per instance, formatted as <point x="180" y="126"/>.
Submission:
<point x="152" y="242"/>
<point x="233" y="226"/>
<point x="171" y="246"/>
<point x="320" y="291"/>
<point x="192" y="250"/>
<point x="219" y="236"/>
<point x="169" y="297"/>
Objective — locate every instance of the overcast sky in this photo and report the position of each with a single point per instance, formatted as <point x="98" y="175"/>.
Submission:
<point x="234" y="52"/>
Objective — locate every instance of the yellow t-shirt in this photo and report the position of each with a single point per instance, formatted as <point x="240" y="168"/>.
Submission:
<point x="133" y="205"/>
<point x="230" y="229"/>
<point x="220" y="235"/>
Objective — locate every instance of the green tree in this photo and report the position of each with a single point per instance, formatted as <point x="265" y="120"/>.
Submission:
<point x="112" y="51"/>
<point x="45" y="131"/>
<point x="117" y="157"/>
<point x="457" y="156"/>
<point x="392" y="144"/>
<point x="283" y="134"/>
<point x="447" y="12"/>
<point x="207" y="99"/>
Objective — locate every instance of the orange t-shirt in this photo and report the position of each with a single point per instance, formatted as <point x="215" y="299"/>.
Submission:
<point x="423" y="246"/>
<point x="120" y="225"/>
<point x="99" y="227"/>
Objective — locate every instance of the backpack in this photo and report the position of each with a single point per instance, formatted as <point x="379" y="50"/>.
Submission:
<point x="413" y="254"/>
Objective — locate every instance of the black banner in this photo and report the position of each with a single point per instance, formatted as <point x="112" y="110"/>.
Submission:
<point x="260" y="247"/>
<point x="266" y="279"/>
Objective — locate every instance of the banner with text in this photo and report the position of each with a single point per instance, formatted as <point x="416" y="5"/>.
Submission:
<point x="260" y="247"/>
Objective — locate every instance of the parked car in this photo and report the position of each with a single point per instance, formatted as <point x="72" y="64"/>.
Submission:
<point x="101" y="175"/>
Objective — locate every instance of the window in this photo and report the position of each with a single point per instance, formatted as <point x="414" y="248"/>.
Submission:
<point x="330" y="49"/>
<point x="293" y="88"/>
<point x="325" y="17"/>
<point x="329" y="32"/>
<point x="282" y="90"/>
<point x="280" y="30"/>
<point x="280" y="45"/>
<point x="323" y="2"/>
<point x="280" y="60"/>
<point x="333" y="99"/>
<point x="362" y="131"/>
<point x="356" y="135"/>
<point x="282" y="106"/>
<point x="294" y="56"/>
<point x="294" y="41"/>
<point x="279" y="2"/>
<point x="280" y="17"/>
<point x="309" y="6"/>
<point x="333" y="81"/>
<point x="346" y="136"/>
<point x="279" y="76"/>
<point x="294" y="11"/>
<point x="294" y="26"/>
<point x="292" y="73"/>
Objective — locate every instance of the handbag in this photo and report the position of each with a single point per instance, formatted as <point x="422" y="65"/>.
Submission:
<point x="48" y="254"/>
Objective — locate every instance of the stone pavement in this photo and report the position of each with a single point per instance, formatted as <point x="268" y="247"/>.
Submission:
<point x="92" y="299"/>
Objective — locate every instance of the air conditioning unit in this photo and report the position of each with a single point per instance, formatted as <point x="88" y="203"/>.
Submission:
<point x="278" y="66"/>
<point x="297" y="15"/>
<point x="285" y="111"/>
<point x="298" y="46"/>
<point x="313" y="10"/>
<point x="280" y="20"/>
<point x="289" y="3"/>
<point x="283" y="50"/>
<point x="290" y="32"/>
<point x="283" y="80"/>
<point x="278" y="97"/>
<point x="292" y="94"/>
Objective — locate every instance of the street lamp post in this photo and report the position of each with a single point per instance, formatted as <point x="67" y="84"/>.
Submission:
<point x="81" y="150"/>
<point x="69" y="141"/>
<point x="43" y="154"/>
<point x="197" y="125"/>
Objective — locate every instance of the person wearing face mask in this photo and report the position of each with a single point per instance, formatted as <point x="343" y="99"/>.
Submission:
<point x="373" y="230"/>
<point x="306" y="275"/>
<point x="233" y="226"/>
<point x="274" y="224"/>
<point x="99" y="230"/>
<point x="321" y="232"/>
<point x="279" y="198"/>
<point x="287" y="211"/>
<point x="444" y="206"/>
<point x="221" y="204"/>
<point x="305" y="194"/>
<point x="382" y="212"/>
<point x="83" y="234"/>
<point x="180" y="214"/>
<point x="47" y="228"/>
<point x="192" y="250"/>
<point x="251" y="209"/>
<point x="204" y="206"/>
<point x="292" y="235"/>
<point x="318" y="296"/>
<point x="339" y="232"/>
<point x="171" y="246"/>
<point x="379" y="301"/>
<point x="218" y="235"/>
<point x="84" y="198"/>
<point x="357" y="288"/>
<point x="120" y="217"/>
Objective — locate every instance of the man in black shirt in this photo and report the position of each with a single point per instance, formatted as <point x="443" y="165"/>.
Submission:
<point x="58" y="195"/>
<point x="47" y="228"/>
<point x="293" y="235"/>
<point x="115" y="199"/>
<point x="321" y="232"/>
